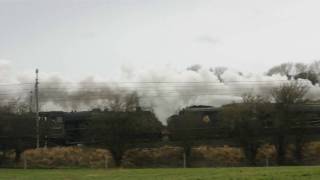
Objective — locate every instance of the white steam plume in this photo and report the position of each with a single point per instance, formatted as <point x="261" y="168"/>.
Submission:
<point x="166" y="90"/>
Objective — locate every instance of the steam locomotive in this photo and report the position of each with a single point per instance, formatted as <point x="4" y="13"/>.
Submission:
<point x="71" y="128"/>
<point x="68" y="128"/>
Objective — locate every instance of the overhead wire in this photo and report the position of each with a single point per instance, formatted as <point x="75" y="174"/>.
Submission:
<point x="145" y="89"/>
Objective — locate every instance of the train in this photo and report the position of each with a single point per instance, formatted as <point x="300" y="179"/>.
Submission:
<point x="69" y="128"/>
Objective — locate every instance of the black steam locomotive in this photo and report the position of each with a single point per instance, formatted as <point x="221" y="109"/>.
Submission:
<point x="69" y="128"/>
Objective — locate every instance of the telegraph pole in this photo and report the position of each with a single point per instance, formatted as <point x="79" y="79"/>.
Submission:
<point x="36" y="90"/>
<point x="31" y="99"/>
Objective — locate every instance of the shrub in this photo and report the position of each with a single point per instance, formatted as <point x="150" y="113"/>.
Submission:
<point x="165" y="156"/>
<point x="61" y="157"/>
<point x="311" y="153"/>
<point x="217" y="156"/>
<point x="172" y="157"/>
<point x="266" y="153"/>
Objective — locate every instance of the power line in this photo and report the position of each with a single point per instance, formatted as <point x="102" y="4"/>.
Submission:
<point x="152" y="90"/>
<point x="141" y="89"/>
<point x="142" y="97"/>
<point x="160" y="82"/>
<point x="145" y="82"/>
<point x="16" y="84"/>
<point x="144" y="85"/>
<point x="147" y="87"/>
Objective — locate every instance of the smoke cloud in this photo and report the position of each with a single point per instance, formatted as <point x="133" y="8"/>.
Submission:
<point x="165" y="90"/>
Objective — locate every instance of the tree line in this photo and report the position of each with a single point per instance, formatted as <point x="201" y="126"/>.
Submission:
<point x="255" y="121"/>
<point x="275" y="118"/>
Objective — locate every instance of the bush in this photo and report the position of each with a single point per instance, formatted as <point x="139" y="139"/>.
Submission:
<point x="217" y="156"/>
<point x="266" y="153"/>
<point x="173" y="157"/>
<point x="165" y="156"/>
<point x="62" y="157"/>
<point x="311" y="153"/>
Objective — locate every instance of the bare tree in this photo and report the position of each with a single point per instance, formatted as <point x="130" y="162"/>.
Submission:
<point x="301" y="68"/>
<point x="298" y="71"/>
<point x="315" y="67"/>
<point x="283" y="69"/>
<point x="17" y="128"/>
<point x="285" y="96"/>
<point x="120" y="131"/>
<point x="124" y="102"/>
<point x="247" y="121"/>
<point x="218" y="71"/>
<point x="132" y="102"/>
<point x="289" y="93"/>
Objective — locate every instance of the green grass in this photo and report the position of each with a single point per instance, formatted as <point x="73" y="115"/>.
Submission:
<point x="287" y="173"/>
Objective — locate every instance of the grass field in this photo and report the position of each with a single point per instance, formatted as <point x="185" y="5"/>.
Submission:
<point x="287" y="173"/>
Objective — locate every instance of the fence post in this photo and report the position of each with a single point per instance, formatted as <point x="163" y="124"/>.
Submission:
<point x="267" y="162"/>
<point x="184" y="160"/>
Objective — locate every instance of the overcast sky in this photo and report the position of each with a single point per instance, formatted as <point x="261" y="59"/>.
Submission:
<point x="83" y="37"/>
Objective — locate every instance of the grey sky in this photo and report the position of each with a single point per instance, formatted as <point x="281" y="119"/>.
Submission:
<point x="99" y="36"/>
